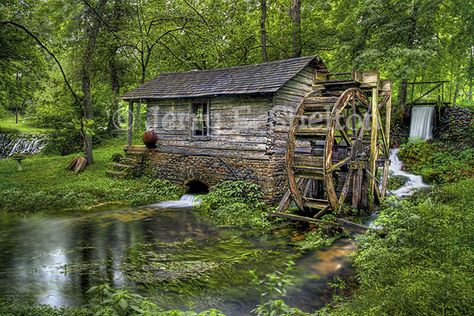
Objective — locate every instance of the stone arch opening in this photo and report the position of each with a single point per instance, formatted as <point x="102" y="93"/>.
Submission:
<point x="196" y="187"/>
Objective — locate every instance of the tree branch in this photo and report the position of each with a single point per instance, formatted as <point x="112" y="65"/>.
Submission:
<point x="38" y="41"/>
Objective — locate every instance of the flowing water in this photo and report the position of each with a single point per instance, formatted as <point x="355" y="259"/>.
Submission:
<point x="186" y="201"/>
<point x="421" y="125"/>
<point x="413" y="182"/>
<point x="11" y="144"/>
<point x="174" y="256"/>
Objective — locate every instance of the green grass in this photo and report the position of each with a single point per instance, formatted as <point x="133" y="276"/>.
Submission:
<point x="424" y="265"/>
<point x="8" y="124"/>
<point x="438" y="162"/>
<point x="45" y="184"/>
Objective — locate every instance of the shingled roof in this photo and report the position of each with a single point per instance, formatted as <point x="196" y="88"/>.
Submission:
<point x="250" y="79"/>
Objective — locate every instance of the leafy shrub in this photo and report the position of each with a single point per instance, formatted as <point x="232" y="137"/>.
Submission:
<point x="436" y="163"/>
<point x="395" y="182"/>
<point x="423" y="266"/>
<point x="63" y="140"/>
<point x="11" y="131"/>
<point x="157" y="190"/>
<point x="83" y="195"/>
<point x="272" y="289"/>
<point x="235" y="203"/>
<point x="106" y="300"/>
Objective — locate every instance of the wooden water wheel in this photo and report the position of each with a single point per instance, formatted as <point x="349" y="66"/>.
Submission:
<point x="338" y="150"/>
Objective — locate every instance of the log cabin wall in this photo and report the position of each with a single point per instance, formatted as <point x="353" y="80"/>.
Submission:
<point x="286" y="101"/>
<point x="238" y="126"/>
<point x="247" y="138"/>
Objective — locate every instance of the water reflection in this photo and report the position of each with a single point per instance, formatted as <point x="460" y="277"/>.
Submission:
<point x="55" y="260"/>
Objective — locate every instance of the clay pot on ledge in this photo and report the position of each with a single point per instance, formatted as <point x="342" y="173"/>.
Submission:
<point x="150" y="138"/>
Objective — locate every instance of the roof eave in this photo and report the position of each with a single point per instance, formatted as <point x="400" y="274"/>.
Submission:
<point x="206" y="95"/>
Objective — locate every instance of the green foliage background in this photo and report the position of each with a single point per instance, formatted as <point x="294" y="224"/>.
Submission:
<point x="406" y="40"/>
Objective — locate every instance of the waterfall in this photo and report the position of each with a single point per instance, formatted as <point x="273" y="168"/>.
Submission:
<point x="11" y="144"/>
<point x="190" y="198"/>
<point x="421" y="125"/>
<point x="186" y="201"/>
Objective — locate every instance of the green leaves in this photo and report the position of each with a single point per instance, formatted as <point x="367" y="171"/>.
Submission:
<point x="436" y="162"/>
<point x="424" y="264"/>
<point x="235" y="203"/>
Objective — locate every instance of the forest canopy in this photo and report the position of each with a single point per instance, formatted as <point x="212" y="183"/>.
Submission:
<point x="106" y="47"/>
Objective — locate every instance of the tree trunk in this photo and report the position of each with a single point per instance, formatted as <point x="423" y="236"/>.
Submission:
<point x="92" y="31"/>
<point x="296" y="27"/>
<point x="402" y="94"/>
<point x="18" y="84"/>
<point x="115" y="86"/>
<point x="142" y="81"/>
<point x="471" y="72"/>
<point x="456" y="93"/>
<point x="263" y="29"/>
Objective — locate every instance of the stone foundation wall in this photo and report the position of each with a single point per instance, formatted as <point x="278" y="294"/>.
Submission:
<point x="456" y="125"/>
<point x="268" y="172"/>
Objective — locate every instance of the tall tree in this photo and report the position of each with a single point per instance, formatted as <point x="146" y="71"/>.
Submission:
<point x="92" y="28"/>
<point x="296" y="28"/>
<point x="263" y="29"/>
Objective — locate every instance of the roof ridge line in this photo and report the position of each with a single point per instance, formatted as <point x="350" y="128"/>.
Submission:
<point x="236" y="67"/>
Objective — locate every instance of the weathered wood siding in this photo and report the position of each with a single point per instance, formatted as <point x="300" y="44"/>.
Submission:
<point x="238" y="126"/>
<point x="286" y="101"/>
<point x="246" y="126"/>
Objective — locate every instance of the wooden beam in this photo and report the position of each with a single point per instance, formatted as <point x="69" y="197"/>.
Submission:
<point x="345" y="189"/>
<point x="358" y="228"/>
<point x="297" y="217"/>
<point x="373" y="145"/>
<point x="351" y="225"/>
<point x="338" y="164"/>
<point x="322" y="212"/>
<point x="388" y="117"/>
<point x="285" y="201"/>
<point x="130" y="123"/>
<point x="357" y="187"/>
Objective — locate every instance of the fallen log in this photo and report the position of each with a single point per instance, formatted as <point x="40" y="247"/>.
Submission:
<point x="355" y="227"/>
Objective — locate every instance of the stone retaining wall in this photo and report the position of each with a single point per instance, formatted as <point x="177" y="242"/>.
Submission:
<point x="456" y="124"/>
<point x="268" y="172"/>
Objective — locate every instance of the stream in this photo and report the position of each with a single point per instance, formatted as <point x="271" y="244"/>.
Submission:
<point x="11" y="144"/>
<point x="166" y="252"/>
<point x="174" y="256"/>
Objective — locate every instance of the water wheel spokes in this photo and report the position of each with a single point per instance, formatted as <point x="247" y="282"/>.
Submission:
<point x="333" y="146"/>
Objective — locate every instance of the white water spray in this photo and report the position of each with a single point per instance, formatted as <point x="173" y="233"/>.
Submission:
<point x="186" y="201"/>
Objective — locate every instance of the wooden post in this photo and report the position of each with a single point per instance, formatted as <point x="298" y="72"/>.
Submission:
<point x="373" y="145"/>
<point x="388" y="117"/>
<point x="130" y="123"/>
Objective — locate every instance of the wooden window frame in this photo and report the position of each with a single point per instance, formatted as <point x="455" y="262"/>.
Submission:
<point x="207" y="119"/>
